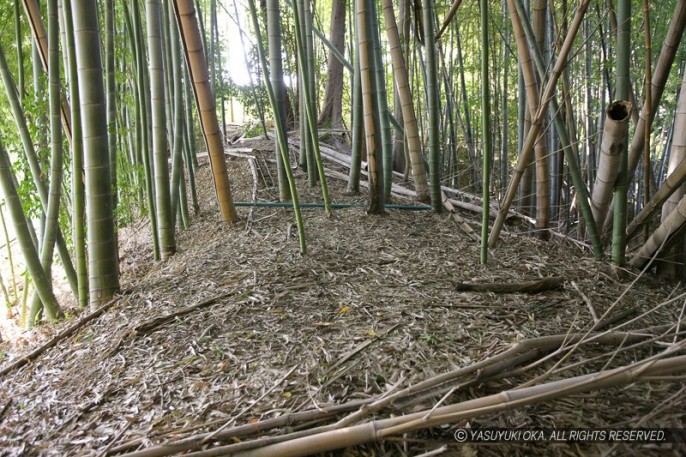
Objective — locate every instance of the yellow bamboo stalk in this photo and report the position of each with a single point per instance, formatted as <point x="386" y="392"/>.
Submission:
<point x="205" y="101"/>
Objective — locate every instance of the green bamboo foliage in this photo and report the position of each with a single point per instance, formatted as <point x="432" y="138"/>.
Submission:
<point x="40" y="36"/>
<point x="21" y="228"/>
<point x="165" y="223"/>
<point x="103" y="271"/>
<point x="485" y="130"/>
<point x="433" y="95"/>
<point x="279" y="88"/>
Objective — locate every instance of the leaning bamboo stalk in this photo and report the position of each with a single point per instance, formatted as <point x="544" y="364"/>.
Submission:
<point x="448" y="18"/>
<point x="561" y="128"/>
<point x="32" y="10"/>
<point x="669" y="187"/>
<point x="661" y="236"/>
<point x="659" y="79"/>
<point x="204" y="98"/>
<point x="409" y="118"/>
<point x="537" y="122"/>
<point x="21" y="227"/>
<point x="32" y="160"/>
<point x="614" y="136"/>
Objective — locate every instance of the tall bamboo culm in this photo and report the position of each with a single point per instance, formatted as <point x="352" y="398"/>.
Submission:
<point x="103" y="274"/>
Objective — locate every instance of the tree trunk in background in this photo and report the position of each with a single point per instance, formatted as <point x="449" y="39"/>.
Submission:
<point x="332" y="109"/>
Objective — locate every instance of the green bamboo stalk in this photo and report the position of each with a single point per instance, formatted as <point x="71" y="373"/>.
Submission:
<point x="312" y="117"/>
<point x="142" y="124"/>
<point x="55" y="187"/>
<point x="42" y="282"/>
<point x="281" y="134"/>
<point x="623" y="93"/>
<point x="111" y="96"/>
<point x="279" y="89"/>
<point x="485" y="129"/>
<point x="382" y="103"/>
<point x="189" y="124"/>
<point x="10" y="257"/>
<point x="18" y="38"/>
<point x="77" y="184"/>
<point x="102" y="250"/>
<point x="432" y="92"/>
<point x="357" y="122"/>
<point x="165" y="222"/>
<point x="178" y="113"/>
<point x="34" y="166"/>
<point x="375" y="199"/>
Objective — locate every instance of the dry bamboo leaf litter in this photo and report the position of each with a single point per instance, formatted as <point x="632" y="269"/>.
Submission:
<point x="363" y="275"/>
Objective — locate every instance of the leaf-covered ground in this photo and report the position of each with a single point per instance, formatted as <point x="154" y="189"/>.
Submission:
<point x="371" y="309"/>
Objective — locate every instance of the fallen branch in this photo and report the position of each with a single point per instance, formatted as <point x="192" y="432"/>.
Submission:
<point x="60" y="336"/>
<point x="529" y="287"/>
<point x="152" y="324"/>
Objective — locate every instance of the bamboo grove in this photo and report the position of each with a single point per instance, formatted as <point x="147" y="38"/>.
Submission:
<point x="569" y="114"/>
